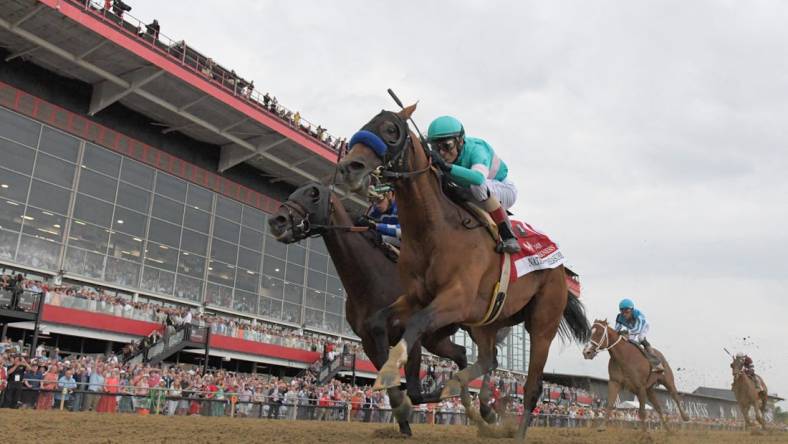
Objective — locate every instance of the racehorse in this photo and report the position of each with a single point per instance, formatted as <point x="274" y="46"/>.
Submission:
<point x="449" y="271"/>
<point x="629" y="368"/>
<point x="747" y="395"/>
<point x="370" y="279"/>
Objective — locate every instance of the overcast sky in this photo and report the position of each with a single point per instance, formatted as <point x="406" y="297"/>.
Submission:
<point x="648" y="138"/>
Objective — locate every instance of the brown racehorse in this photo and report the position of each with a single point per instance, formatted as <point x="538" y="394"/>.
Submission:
<point x="370" y="279"/>
<point x="449" y="272"/>
<point x="747" y="395"/>
<point x="629" y="369"/>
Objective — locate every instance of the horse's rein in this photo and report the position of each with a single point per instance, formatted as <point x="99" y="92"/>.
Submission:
<point x="305" y="227"/>
<point x="605" y="339"/>
<point x="384" y="172"/>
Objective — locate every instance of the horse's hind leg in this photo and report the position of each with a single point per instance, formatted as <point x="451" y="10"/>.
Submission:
<point x="667" y="381"/>
<point x="652" y="397"/>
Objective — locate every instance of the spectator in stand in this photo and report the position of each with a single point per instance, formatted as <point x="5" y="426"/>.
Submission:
<point x="108" y="402"/>
<point x="12" y="395"/>
<point x="46" y="398"/>
<point x="249" y="89"/>
<point x="152" y="31"/>
<point x="118" y="8"/>
<point x="96" y="387"/>
<point x="297" y="120"/>
<point x="65" y="386"/>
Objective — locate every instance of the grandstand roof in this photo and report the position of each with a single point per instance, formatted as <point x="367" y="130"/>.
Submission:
<point x="163" y="80"/>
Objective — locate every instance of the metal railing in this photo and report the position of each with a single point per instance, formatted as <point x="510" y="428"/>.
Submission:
<point x="190" y="58"/>
<point x="190" y="402"/>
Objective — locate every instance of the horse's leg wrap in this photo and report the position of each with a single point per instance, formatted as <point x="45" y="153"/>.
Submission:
<point x="389" y="375"/>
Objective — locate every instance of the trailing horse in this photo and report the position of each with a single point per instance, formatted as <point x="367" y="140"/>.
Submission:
<point x="449" y="272"/>
<point x="747" y="395"/>
<point x="370" y="279"/>
<point x="630" y="369"/>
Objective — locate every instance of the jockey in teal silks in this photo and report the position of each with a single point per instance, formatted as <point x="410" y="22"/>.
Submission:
<point x="472" y="163"/>
<point x="632" y="322"/>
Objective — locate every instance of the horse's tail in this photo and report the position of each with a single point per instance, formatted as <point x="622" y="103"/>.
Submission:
<point x="574" y="325"/>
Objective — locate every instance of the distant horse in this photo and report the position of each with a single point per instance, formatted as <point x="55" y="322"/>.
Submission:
<point x="747" y="395"/>
<point x="449" y="271"/>
<point x="370" y="279"/>
<point x="628" y="368"/>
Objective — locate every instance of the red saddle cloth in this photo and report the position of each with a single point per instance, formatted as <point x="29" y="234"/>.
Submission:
<point x="537" y="251"/>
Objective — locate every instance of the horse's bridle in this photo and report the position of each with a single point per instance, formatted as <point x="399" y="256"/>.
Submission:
<point x="392" y="169"/>
<point x="306" y="228"/>
<point x="605" y="339"/>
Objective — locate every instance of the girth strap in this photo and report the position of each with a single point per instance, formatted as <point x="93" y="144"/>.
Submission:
<point x="498" y="299"/>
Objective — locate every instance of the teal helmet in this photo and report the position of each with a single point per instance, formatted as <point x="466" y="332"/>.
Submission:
<point x="443" y="127"/>
<point x="626" y="303"/>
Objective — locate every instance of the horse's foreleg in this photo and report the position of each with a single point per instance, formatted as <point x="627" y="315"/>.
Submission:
<point x="377" y="325"/>
<point x="401" y="407"/>
<point x="485" y="342"/>
<point x="440" y="313"/>
<point x="759" y="414"/>
<point x="444" y="348"/>
<point x="413" y="379"/>
<point x="613" y="387"/>
<point x="488" y="414"/>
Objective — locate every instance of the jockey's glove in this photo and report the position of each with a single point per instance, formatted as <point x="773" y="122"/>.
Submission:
<point x="438" y="161"/>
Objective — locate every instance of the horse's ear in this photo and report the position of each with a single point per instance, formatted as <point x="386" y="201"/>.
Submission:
<point x="408" y="111"/>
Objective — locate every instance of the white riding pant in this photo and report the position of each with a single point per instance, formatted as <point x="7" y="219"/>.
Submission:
<point x="505" y="191"/>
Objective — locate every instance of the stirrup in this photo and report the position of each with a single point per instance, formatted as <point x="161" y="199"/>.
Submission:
<point x="507" y="246"/>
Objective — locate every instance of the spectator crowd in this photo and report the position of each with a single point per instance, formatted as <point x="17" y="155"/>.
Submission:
<point x="116" y="13"/>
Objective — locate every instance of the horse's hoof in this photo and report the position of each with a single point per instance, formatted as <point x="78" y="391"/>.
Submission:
<point x="404" y="429"/>
<point x="452" y="389"/>
<point x="387" y="378"/>
<point x="601" y="429"/>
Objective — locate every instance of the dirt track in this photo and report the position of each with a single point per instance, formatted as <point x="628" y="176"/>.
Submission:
<point x="57" y="427"/>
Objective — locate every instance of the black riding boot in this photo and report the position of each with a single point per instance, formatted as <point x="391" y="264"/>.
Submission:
<point x="656" y="364"/>
<point x="508" y="239"/>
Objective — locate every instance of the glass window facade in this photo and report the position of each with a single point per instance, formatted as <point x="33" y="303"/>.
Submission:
<point x="69" y="204"/>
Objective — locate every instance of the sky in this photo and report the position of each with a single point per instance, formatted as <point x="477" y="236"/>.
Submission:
<point x="647" y="138"/>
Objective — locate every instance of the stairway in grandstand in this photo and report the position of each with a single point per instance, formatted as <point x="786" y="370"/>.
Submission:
<point x="343" y="362"/>
<point x="166" y="346"/>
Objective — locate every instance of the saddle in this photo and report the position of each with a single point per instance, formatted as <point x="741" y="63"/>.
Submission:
<point x="463" y="198"/>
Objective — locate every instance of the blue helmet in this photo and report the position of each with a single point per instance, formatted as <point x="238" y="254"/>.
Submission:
<point x="626" y="303"/>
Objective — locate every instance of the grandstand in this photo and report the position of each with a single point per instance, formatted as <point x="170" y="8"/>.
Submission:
<point x="137" y="166"/>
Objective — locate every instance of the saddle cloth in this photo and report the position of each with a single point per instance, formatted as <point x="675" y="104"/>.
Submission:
<point x="537" y="251"/>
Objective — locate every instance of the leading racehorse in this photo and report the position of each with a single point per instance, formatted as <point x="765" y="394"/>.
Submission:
<point x="369" y="277"/>
<point x="747" y="395"/>
<point x="630" y="369"/>
<point x="449" y="272"/>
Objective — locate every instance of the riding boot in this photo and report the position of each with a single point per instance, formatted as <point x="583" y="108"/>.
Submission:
<point x="757" y="381"/>
<point x="508" y="242"/>
<point x="656" y="364"/>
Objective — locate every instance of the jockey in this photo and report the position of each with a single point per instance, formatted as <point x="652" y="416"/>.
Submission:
<point x="632" y="322"/>
<point x="472" y="163"/>
<point x="749" y="370"/>
<point x="383" y="216"/>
